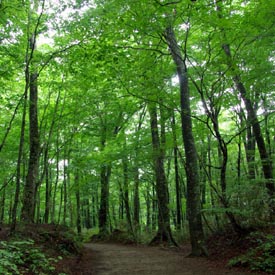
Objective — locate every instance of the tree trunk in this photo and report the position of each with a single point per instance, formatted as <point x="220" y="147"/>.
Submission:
<point x="65" y="193"/>
<point x="60" y="204"/>
<point x="77" y="195"/>
<point x="192" y="170"/>
<point x="48" y="188"/>
<point x="148" y="209"/>
<point x="126" y="195"/>
<point x="136" y="199"/>
<point x="28" y="208"/>
<point x="2" y="205"/>
<point x="104" y="199"/>
<point x="177" y="176"/>
<point x="164" y="233"/>
<point x="55" y="182"/>
<point x="20" y="155"/>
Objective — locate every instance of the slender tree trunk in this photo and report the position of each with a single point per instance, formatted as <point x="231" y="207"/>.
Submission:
<point x="78" y="205"/>
<point x="20" y="156"/>
<point x="65" y="193"/>
<point x="164" y="233"/>
<point x="38" y="218"/>
<point x="154" y="214"/>
<point x="104" y="199"/>
<point x="48" y="189"/>
<point x="60" y="204"/>
<point x="94" y="210"/>
<point x="192" y="170"/>
<point x="148" y="209"/>
<point x="2" y="205"/>
<point x="136" y="216"/>
<point x="177" y="176"/>
<point x="126" y="195"/>
<point x="136" y="199"/>
<point x="55" y="183"/>
<point x="121" y="204"/>
<point x="249" y="145"/>
<point x="28" y="208"/>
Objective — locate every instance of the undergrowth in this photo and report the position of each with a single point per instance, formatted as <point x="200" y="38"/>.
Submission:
<point x="22" y="257"/>
<point x="260" y="256"/>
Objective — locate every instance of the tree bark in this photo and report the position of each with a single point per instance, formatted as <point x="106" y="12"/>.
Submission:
<point x="78" y="205"/>
<point x="192" y="170"/>
<point x="136" y="199"/>
<point x="104" y="199"/>
<point x="28" y="208"/>
<point x="126" y="195"/>
<point x="164" y="233"/>
<point x="177" y="176"/>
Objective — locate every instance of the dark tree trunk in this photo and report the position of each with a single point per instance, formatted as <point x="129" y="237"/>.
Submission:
<point x="121" y="204"/>
<point x="94" y="211"/>
<point x="78" y="205"/>
<point x="177" y="176"/>
<point x="65" y="193"/>
<point x="126" y="195"/>
<point x="2" y="204"/>
<point x="104" y="199"/>
<point x="164" y="233"/>
<point x="60" y="205"/>
<point x="136" y="199"/>
<point x="28" y="208"/>
<point x="48" y="188"/>
<point x="192" y="170"/>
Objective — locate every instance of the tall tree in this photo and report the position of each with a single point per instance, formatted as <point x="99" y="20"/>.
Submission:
<point x="192" y="169"/>
<point x="28" y="208"/>
<point x="164" y="233"/>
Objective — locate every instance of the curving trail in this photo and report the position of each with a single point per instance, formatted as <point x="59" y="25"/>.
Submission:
<point x="117" y="259"/>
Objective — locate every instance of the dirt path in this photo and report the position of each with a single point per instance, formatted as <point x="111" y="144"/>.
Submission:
<point x="116" y="259"/>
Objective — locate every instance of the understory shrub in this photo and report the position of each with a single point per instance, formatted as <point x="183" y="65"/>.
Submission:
<point x="22" y="257"/>
<point x="260" y="256"/>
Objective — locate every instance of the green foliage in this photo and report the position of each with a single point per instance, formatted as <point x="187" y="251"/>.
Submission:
<point x="89" y="233"/>
<point x="20" y="256"/>
<point x="260" y="257"/>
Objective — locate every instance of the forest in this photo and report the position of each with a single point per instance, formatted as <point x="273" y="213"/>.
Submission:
<point x="153" y="118"/>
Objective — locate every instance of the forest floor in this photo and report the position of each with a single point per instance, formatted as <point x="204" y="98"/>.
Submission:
<point x="120" y="259"/>
<point x="115" y="258"/>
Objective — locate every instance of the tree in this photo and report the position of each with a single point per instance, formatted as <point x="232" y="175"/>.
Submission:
<point x="164" y="233"/>
<point x="192" y="171"/>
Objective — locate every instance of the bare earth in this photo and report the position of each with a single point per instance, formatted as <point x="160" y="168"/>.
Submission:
<point x="118" y="259"/>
